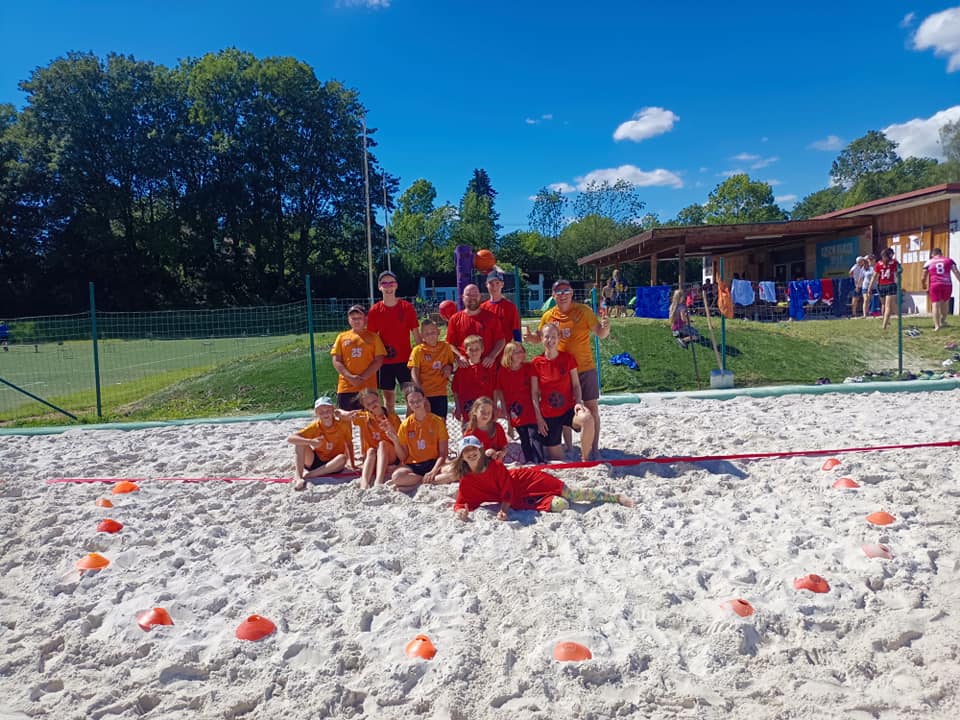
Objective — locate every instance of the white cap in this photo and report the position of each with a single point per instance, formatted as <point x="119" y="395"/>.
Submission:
<point x="322" y="401"/>
<point x="470" y="441"/>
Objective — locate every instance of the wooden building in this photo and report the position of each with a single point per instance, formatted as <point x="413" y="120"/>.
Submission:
<point x="823" y="247"/>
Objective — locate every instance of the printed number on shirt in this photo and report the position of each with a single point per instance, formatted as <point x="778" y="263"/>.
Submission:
<point x="421" y="444"/>
<point x="356" y="352"/>
<point x="940" y="268"/>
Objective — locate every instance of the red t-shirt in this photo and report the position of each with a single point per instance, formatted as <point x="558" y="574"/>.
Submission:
<point x="556" y="386"/>
<point x="472" y="382"/>
<point x="393" y="325"/>
<point x="515" y="386"/>
<point x="497" y="441"/>
<point x="525" y="488"/>
<point x="886" y="274"/>
<point x="508" y="315"/>
<point x="484" y="323"/>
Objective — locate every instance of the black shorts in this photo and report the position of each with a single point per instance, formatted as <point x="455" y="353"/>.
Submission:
<point x="887" y="290"/>
<point x="421" y="468"/>
<point x="347" y="401"/>
<point x="389" y="376"/>
<point x="314" y="462"/>
<point x="555" y="426"/>
<point x="438" y="405"/>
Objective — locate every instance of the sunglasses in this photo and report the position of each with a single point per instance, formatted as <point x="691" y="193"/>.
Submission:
<point x="568" y="291"/>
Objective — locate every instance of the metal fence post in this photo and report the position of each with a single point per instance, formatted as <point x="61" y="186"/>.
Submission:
<point x="313" y="349"/>
<point x="96" y="353"/>
<point x="596" y="340"/>
<point x="899" y="319"/>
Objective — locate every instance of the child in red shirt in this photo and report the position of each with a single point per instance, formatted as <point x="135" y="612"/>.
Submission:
<point x="472" y="381"/>
<point x="482" y="425"/>
<point x="513" y="396"/>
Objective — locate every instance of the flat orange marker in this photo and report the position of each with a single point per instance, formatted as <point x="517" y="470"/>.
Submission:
<point x="880" y="518"/>
<point x="103" y="502"/>
<point x="740" y="606"/>
<point x="571" y="652"/>
<point x="109" y="526"/>
<point x="813" y="583"/>
<point x="149" y="618"/>
<point x="420" y="647"/>
<point x="876" y="550"/>
<point x="125" y="486"/>
<point x="829" y="464"/>
<point x="93" y="561"/>
<point x="255" y="628"/>
<point x="846" y="483"/>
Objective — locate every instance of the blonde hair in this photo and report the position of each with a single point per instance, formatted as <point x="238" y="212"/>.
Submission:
<point x="472" y="422"/>
<point x="675" y="302"/>
<point x="473" y="340"/>
<point x="508" y="350"/>
<point x="427" y="322"/>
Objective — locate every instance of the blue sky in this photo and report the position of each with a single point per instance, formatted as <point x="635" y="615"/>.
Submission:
<point x="670" y="96"/>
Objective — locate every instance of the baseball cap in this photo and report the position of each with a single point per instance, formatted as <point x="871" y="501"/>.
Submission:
<point x="861" y="257"/>
<point x="356" y="308"/>
<point x="469" y="441"/>
<point x="322" y="401"/>
<point x="562" y="282"/>
<point x="384" y="274"/>
<point x="495" y="275"/>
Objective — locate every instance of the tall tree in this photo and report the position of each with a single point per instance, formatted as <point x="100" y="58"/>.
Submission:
<point x="738" y="199"/>
<point x="619" y="201"/>
<point x="819" y="203"/>
<point x="694" y="214"/>
<point x="481" y="186"/>
<point x="548" y="214"/>
<point x="475" y="226"/>
<point x="872" y="153"/>
<point x="421" y="231"/>
<point x="950" y="141"/>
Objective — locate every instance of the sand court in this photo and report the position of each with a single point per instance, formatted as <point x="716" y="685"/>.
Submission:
<point x="351" y="577"/>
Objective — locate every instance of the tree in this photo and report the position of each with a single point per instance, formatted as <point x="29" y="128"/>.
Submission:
<point x="528" y="250"/>
<point x="547" y="216"/>
<point x="739" y="199"/>
<point x="872" y="153"/>
<point x="481" y="186"/>
<point x="910" y="174"/>
<point x="819" y="203"/>
<point x="421" y="233"/>
<point x="619" y="201"/>
<point x="475" y="226"/>
<point x="950" y="141"/>
<point x="690" y="215"/>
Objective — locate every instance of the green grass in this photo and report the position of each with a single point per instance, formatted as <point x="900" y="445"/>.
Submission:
<point x="193" y="379"/>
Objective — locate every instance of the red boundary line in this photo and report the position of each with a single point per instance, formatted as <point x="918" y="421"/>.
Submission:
<point x="562" y="466"/>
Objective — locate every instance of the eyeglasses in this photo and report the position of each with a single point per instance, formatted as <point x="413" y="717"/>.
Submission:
<point x="568" y="291"/>
<point x="388" y="284"/>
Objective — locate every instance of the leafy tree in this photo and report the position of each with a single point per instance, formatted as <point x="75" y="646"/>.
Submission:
<point x="475" y="226"/>
<point x="872" y="153"/>
<point x="690" y="215"/>
<point x="548" y="214"/>
<point x="819" y="203"/>
<point x="529" y="250"/>
<point x="950" y="141"/>
<point x="481" y="186"/>
<point x="421" y="232"/>
<point x="738" y="199"/>
<point x="619" y="201"/>
<point x="910" y="174"/>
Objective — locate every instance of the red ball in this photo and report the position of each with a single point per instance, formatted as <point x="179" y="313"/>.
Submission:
<point x="447" y="309"/>
<point x="484" y="261"/>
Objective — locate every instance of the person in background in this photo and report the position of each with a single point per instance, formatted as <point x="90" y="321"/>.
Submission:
<point x="431" y="365"/>
<point x="324" y="446"/>
<point x="513" y="394"/>
<point x="619" y="294"/>
<point x="885" y="278"/>
<point x="856" y="274"/>
<point x="393" y="319"/>
<point x="486" y="480"/>
<point x="680" y="320"/>
<point x="867" y="283"/>
<point x="421" y="442"/>
<point x="936" y="276"/>
<point x="357" y="355"/>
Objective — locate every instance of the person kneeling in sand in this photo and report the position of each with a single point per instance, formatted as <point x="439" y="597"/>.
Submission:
<point x="484" y="480"/>
<point x="324" y="446"/>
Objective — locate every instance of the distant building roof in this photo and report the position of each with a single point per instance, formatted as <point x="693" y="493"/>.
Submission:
<point x="897" y="202"/>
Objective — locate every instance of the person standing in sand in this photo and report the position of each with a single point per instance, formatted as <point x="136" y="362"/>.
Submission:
<point x="576" y="322"/>
<point x="393" y="319"/>
<point x="936" y="276"/>
<point x="357" y="355"/>
<point x="324" y="446"/>
<point x="431" y="365"/>
<point x="474" y="320"/>
<point x="503" y="308"/>
<point x="486" y="480"/>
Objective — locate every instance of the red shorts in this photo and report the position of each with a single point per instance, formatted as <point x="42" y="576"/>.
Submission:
<point x="940" y="292"/>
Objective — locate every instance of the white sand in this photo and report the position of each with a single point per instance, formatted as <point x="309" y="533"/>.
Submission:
<point x="350" y="577"/>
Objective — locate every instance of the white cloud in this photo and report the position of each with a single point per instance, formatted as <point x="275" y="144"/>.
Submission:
<point x="773" y="183"/>
<point x="764" y="138"/>
<point x="941" y="33"/>
<point x="704" y="169"/>
<point x="785" y="199"/>
<point x="530" y="121"/>
<point x="745" y="157"/>
<point x="731" y="173"/>
<point x="562" y="187"/>
<point x="756" y="161"/>
<point x="829" y="143"/>
<point x="374" y="4"/>
<point x="920" y="137"/>
<point x="547" y="116"/>
<point x="633" y="175"/>
<point x="646" y="123"/>
<point x="763" y="162"/>
<point x="907" y="20"/>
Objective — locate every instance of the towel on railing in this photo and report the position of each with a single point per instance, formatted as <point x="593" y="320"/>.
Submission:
<point x="724" y="301"/>
<point x="768" y="291"/>
<point x="742" y="292"/>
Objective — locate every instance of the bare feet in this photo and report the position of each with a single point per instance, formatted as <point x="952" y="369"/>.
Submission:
<point x="627" y="501"/>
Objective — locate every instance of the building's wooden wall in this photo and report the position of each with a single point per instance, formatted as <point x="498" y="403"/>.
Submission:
<point x="913" y="219"/>
<point x="913" y="233"/>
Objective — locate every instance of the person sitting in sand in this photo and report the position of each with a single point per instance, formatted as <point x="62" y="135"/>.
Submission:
<point x="513" y="394"/>
<point x="483" y="426"/>
<point x="485" y="480"/>
<point x="421" y="442"/>
<point x="324" y="446"/>
<point x="473" y="381"/>
<point x="431" y="365"/>
<point x="376" y="447"/>
<point x="680" y="320"/>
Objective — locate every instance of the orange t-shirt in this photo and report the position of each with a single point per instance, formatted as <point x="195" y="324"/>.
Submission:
<point x="422" y="439"/>
<point x="431" y="361"/>
<point x="575" y="328"/>
<point x="336" y="439"/>
<point x="357" y="350"/>
<point x="371" y="434"/>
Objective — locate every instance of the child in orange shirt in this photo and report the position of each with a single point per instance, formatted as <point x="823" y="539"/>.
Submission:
<point x="431" y="365"/>
<point x="324" y="446"/>
<point x="356" y="354"/>
<point x="376" y="447"/>
<point x="421" y="442"/>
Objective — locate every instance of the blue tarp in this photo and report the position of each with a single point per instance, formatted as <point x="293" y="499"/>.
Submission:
<point x="653" y="302"/>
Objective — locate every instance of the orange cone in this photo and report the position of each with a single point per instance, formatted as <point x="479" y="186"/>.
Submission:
<point x="571" y="652"/>
<point x="255" y="628"/>
<point x="829" y="464"/>
<point x="876" y="550"/>
<point x="157" y="616"/>
<point x="109" y="526"/>
<point x="93" y="561"/>
<point x="104" y="503"/>
<point x="846" y="483"/>
<point x="420" y="647"/>
<point x="125" y="486"/>
<point x="880" y="518"/>
<point x="813" y="583"/>
<point x="740" y="606"/>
